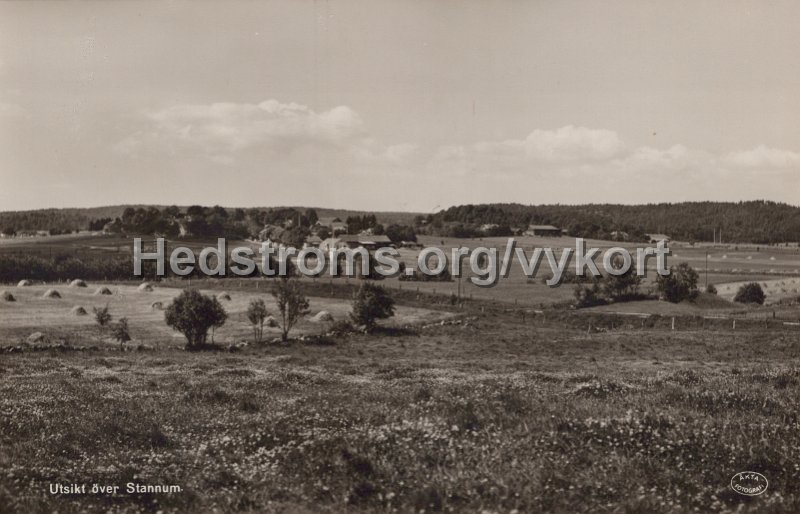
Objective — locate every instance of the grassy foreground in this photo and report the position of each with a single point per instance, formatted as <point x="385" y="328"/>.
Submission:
<point x="494" y="416"/>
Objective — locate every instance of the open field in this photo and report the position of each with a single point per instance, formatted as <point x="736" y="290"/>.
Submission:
<point x="507" y="403"/>
<point x="32" y="312"/>
<point x="726" y="263"/>
<point x="488" y="415"/>
<point x="775" y="263"/>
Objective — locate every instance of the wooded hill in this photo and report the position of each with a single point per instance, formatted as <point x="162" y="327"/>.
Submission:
<point x="760" y="222"/>
<point x="72" y="219"/>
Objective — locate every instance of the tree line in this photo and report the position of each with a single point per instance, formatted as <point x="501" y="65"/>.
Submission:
<point x="759" y="222"/>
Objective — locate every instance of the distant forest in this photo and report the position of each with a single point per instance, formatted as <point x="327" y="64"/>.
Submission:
<point x="760" y="222"/>
<point x="162" y="219"/>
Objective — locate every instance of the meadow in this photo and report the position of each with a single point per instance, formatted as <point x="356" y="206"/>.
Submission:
<point x="487" y="414"/>
<point x="505" y="402"/>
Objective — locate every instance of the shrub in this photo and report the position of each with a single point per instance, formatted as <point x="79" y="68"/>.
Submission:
<point x="102" y="316"/>
<point x="341" y="327"/>
<point x="371" y="304"/>
<point x="256" y="315"/>
<point x="292" y="304"/>
<point x="711" y="289"/>
<point x="193" y="314"/>
<point x="588" y="295"/>
<point x="622" y="287"/>
<point x="750" y="293"/>
<point x="679" y="285"/>
<point x="120" y="331"/>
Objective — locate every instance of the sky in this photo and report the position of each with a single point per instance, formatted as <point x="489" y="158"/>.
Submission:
<point x="397" y="105"/>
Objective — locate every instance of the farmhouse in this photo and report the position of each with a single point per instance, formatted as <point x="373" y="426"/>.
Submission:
<point x="335" y="225"/>
<point x="338" y="227"/>
<point x="352" y="241"/>
<point x="543" y="230"/>
<point x="271" y="233"/>
<point x="373" y="242"/>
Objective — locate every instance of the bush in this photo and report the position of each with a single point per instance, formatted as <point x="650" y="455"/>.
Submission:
<point x="292" y="304"/>
<point x="193" y="314"/>
<point x="120" y="331"/>
<point x="622" y="287"/>
<point x="102" y="316"/>
<point x="711" y="289"/>
<point x="371" y="304"/>
<point x="341" y="327"/>
<point x="588" y="295"/>
<point x="256" y="315"/>
<point x="750" y="293"/>
<point x="679" y="285"/>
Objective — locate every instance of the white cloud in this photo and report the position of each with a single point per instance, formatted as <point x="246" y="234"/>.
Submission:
<point x="542" y="151"/>
<point x="565" y="144"/>
<point x="287" y="132"/>
<point x="763" y="157"/>
<point x="238" y="126"/>
<point x="333" y="147"/>
<point x="369" y="151"/>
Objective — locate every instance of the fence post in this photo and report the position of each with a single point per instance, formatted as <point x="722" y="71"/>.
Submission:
<point x="673" y="323"/>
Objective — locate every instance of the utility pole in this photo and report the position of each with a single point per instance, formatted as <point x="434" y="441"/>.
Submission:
<point x="706" y="270"/>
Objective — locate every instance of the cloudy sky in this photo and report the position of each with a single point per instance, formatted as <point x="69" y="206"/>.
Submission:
<point x="398" y="105"/>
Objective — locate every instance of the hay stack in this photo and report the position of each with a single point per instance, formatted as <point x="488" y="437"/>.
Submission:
<point x="224" y="296"/>
<point x="77" y="283"/>
<point x="157" y="306"/>
<point x="51" y="293"/>
<point x="24" y="283"/>
<point x="37" y="337"/>
<point x="145" y="287"/>
<point x="271" y="322"/>
<point x="78" y="311"/>
<point x="102" y="291"/>
<point x="7" y="297"/>
<point x="321" y="317"/>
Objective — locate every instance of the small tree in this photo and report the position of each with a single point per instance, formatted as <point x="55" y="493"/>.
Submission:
<point x="120" y="331"/>
<point x="193" y="314"/>
<point x="750" y="293"/>
<point x="102" y="316"/>
<point x="371" y="304"/>
<point x="621" y="287"/>
<point x="679" y="285"/>
<point x="256" y="314"/>
<point x="588" y="295"/>
<point x="292" y="304"/>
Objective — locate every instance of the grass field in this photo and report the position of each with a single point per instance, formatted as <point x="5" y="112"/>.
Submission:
<point x="726" y="264"/>
<point x="54" y="317"/>
<point x="491" y="406"/>
<point x="489" y="415"/>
